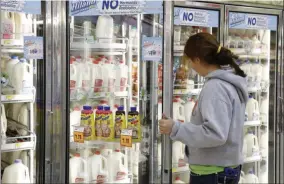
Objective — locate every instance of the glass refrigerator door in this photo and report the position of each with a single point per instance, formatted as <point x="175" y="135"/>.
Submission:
<point x="187" y="84"/>
<point x="21" y="57"/>
<point x="254" y="38"/>
<point x="115" y="84"/>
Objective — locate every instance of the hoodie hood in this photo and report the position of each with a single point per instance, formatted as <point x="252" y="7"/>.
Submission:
<point x="237" y="81"/>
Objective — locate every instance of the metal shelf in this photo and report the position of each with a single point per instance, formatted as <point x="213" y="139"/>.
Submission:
<point x="184" y="92"/>
<point x="13" y="145"/>
<point x="17" y="98"/>
<point x="252" y="123"/>
<point x="11" y="43"/>
<point x="119" y="48"/>
<point x="181" y="169"/>
<point x="122" y="94"/>
<point x="252" y="159"/>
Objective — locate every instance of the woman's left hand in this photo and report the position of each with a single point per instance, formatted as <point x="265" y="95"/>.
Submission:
<point x="166" y="126"/>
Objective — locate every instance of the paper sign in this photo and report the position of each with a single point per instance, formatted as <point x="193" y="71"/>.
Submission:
<point x="152" y="48"/>
<point x="79" y="134"/>
<point x="114" y="7"/>
<point x="33" y="47"/>
<point x="25" y="6"/>
<point x="126" y="138"/>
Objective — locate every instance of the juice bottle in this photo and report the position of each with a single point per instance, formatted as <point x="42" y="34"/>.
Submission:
<point x="134" y="123"/>
<point x="87" y="120"/>
<point x="120" y="122"/>
<point x="107" y="124"/>
<point x="98" y="120"/>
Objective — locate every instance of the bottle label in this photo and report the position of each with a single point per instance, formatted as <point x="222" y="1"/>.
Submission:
<point x="134" y="125"/>
<point x="101" y="179"/>
<point x="98" y="85"/>
<point x="119" y="124"/>
<point x="87" y="120"/>
<point x="85" y="84"/>
<point x="79" y="180"/>
<point x="98" y="127"/>
<point x="7" y="31"/>
<point x="72" y="84"/>
<point x="120" y="176"/>
<point x="107" y="126"/>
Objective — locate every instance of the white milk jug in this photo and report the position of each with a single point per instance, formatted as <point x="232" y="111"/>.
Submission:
<point x="264" y="109"/>
<point x="178" y="153"/>
<point x="10" y="68"/>
<point x="23" y="25"/>
<point x="252" y="109"/>
<point x="104" y="35"/>
<point x="251" y="178"/>
<point x="256" y="70"/>
<point x="121" y="77"/>
<point x="16" y="173"/>
<point x="109" y="77"/>
<point x="3" y="123"/>
<point x="97" y="168"/>
<point x="178" y="180"/>
<point x="178" y="111"/>
<point x="246" y="67"/>
<point x="23" y="81"/>
<point x="188" y="107"/>
<point x="242" y="179"/>
<point x="77" y="166"/>
<point x="252" y="144"/>
<point x="86" y="76"/>
<point x="264" y="144"/>
<point x="117" y="166"/>
<point x="263" y="177"/>
<point x="8" y="25"/>
<point x="74" y="72"/>
<point x="97" y="76"/>
<point x="23" y="119"/>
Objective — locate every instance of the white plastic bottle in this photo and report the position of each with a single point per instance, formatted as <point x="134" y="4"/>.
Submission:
<point x="16" y="173"/>
<point x="23" y="81"/>
<point x="7" y="25"/>
<point x="3" y="123"/>
<point x="251" y="178"/>
<point x="86" y="76"/>
<point x="252" y="144"/>
<point x="117" y="168"/>
<point x="188" y="107"/>
<point x="245" y="148"/>
<point x="77" y="167"/>
<point x="178" y="180"/>
<point x="178" y="110"/>
<point x="97" y="168"/>
<point x="104" y="35"/>
<point x="23" y="119"/>
<point x="178" y="153"/>
<point x="121" y="77"/>
<point x="10" y="68"/>
<point x="97" y="76"/>
<point x="252" y="109"/>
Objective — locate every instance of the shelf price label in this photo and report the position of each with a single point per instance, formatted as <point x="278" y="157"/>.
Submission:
<point x="126" y="138"/>
<point x="79" y="134"/>
<point x="10" y="97"/>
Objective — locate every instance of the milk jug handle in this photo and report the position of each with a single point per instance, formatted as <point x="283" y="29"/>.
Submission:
<point x="124" y="160"/>
<point x="104" y="163"/>
<point x="74" y="69"/>
<point x="3" y="113"/>
<point x="27" y="174"/>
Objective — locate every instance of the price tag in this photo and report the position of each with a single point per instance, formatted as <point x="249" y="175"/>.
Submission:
<point x="7" y="42"/>
<point x="126" y="138"/>
<point x="17" y="145"/>
<point x="79" y="134"/>
<point x="10" y="97"/>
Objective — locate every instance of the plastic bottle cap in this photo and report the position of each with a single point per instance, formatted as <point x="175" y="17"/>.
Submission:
<point x="107" y="108"/>
<point x="22" y="60"/>
<point x="117" y="150"/>
<point x="18" y="161"/>
<point x="71" y="61"/>
<point x="103" y="102"/>
<point x="97" y="152"/>
<point x="177" y="178"/>
<point x="116" y="106"/>
<point x="77" y="155"/>
<point x="121" y="62"/>
<point x="87" y="107"/>
<point x="133" y="109"/>
<point x="76" y="109"/>
<point x="100" y="108"/>
<point x="96" y="61"/>
<point x="14" y="57"/>
<point x="175" y="100"/>
<point x="120" y="108"/>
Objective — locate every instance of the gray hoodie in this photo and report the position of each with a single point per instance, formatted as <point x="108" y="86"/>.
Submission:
<point x="214" y="135"/>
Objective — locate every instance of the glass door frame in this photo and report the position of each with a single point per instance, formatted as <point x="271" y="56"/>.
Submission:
<point x="278" y="130"/>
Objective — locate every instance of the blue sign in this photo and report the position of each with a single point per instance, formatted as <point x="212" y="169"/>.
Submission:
<point x="114" y="7"/>
<point x="252" y="21"/>
<point x="196" y="17"/>
<point x="22" y="6"/>
<point x="152" y="48"/>
<point x="33" y="47"/>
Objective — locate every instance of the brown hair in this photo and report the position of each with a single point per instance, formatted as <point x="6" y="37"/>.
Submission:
<point x="206" y="47"/>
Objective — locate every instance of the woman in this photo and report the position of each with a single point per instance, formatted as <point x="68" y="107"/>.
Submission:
<point x="214" y="135"/>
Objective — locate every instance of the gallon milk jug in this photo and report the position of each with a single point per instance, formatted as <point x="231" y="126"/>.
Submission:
<point x="3" y="123"/>
<point x="264" y="109"/>
<point x="73" y="75"/>
<point x="263" y="177"/>
<point x="178" y="153"/>
<point x="24" y="78"/>
<point x="264" y="144"/>
<point x="121" y="77"/>
<point x="16" y="173"/>
<point x="97" y="76"/>
<point x="76" y="168"/>
<point x="97" y="168"/>
<point x="251" y="178"/>
<point x="8" y="25"/>
<point x="252" y="144"/>
<point x="14" y="110"/>
<point x="23" y="118"/>
<point x="104" y="35"/>
<point x="178" y="110"/>
<point x="188" y="107"/>
<point x="117" y="166"/>
<point x="252" y="109"/>
<point x="106" y="152"/>
<point x="86" y="75"/>
<point x="10" y="68"/>
<point x="178" y="180"/>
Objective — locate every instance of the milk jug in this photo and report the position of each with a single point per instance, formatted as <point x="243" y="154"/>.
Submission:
<point x="121" y="77"/>
<point x="3" y="124"/>
<point x="252" y="109"/>
<point x="188" y="107"/>
<point x="178" y="180"/>
<point x="97" y="168"/>
<point x="242" y="179"/>
<point x="97" y="76"/>
<point x="8" y="25"/>
<point x="77" y="166"/>
<point x="177" y="34"/>
<point x="246" y="67"/>
<point x="178" y="110"/>
<point x="252" y="144"/>
<point x="104" y="35"/>
<point x="75" y="118"/>
<point x="178" y="153"/>
<point x="106" y="152"/>
<point x="73" y="76"/>
<point x="264" y="144"/>
<point x="117" y="168"/>
<point x="10" y="68"/>
<point x="16" y="173"/>
<point x="256" y="70"/>
<point x="23" y="118"/>
<point x="14" y="110"/>
<point x="86" y="75"/>
<point x="24" y="79"/>
<point x="23" y="25"/>
<point x="264" y="109"/>
<point x="251" y="178"/>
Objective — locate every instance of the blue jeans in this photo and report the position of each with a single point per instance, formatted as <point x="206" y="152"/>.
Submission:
<point x="218" y="178"/>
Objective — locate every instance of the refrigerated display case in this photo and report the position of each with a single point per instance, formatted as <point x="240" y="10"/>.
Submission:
<point x="189" y="18"/>
<point x="21" y="54"/>
<point x="114" y="91"/>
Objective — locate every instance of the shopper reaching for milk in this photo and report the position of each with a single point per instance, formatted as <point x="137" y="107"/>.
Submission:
<point x="214" y="135"/>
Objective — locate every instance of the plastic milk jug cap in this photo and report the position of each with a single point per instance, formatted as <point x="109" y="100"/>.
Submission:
<point x="97" y="152"/>
<point x="100" y="108"/>
<point x="14" y="57"/>
<point x="77" y="155"/>
<point x="18" y="161"/>
<point x="87" y="107"/>
<point x="133" y="109"/>
<point x="120" y="108"/>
